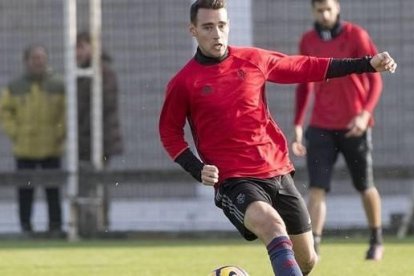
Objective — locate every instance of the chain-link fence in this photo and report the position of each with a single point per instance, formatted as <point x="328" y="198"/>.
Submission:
<point x="148" y="41"/>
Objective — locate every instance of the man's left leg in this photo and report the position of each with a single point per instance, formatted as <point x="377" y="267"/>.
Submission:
<point x="357" y="153"/>
<point x="305" y="253"/>
<point x="292" y="208"/>
<point x="54" y="209"/>
<point x="372" y="205"/>
<point x="264" y="221"/>
<point x="53" y="197"/>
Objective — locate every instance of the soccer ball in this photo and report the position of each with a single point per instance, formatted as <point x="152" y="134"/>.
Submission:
<point x="229" y="270"/>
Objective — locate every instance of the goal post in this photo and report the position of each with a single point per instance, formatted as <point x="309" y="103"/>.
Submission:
<point x="72" y="115"/>
<point x="72" y="72"/>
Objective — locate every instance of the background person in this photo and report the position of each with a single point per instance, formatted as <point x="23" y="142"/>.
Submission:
<point x="341" y="119"/>
<point x="32" y="111"/>
<point x="112" y="138"/>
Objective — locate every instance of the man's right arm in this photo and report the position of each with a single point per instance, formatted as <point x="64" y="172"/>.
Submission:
<point x="303" y="91"/>
<point x="302" y="96"/>
<point x="171" y="128"/>
<point x="190" y="163"/>
<point x="8" y="113"/>
<point x="206" y="174"/>
<point x="173" y="119"/>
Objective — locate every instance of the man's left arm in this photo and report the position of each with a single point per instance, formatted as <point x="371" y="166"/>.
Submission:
<point x="300" y="69"/>
<point x="61" y="119"/>
<point x="340" y="67"/>
<point x="359" y="124"/>
<point x="110" y="90"/>
<point x="366" y="45"/>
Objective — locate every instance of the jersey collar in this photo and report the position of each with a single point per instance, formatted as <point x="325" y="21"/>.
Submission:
<point x="329" y="34"/>
<point x="205" y="60"/>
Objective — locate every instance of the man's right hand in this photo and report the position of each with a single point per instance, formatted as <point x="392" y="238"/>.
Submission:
<point x="298" y="148"/>
<point x="209" y="175"/>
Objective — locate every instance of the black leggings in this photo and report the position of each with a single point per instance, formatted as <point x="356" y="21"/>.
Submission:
<point x="25" y="195"/>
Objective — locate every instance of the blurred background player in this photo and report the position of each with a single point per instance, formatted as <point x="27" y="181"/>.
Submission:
<point x="112" y="138"/>
<point x="221" y="92"/>
<point x="341" y="121"/>
<point x="32" y="111"/>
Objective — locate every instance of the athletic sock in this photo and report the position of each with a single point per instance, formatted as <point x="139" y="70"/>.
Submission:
<point x="282" y="257"/>
<point x="316" y="242"/>
<point x="376" y="235"/>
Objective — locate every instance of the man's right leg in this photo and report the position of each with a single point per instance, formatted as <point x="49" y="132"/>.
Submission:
<point x="322" y="152"/>
<point x="25" y="208"/>
<point x="246" y="203"/>
<point x="25" y="196"/>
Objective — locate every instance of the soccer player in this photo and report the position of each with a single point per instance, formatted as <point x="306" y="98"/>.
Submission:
<point x="341" y="119"/>
<point x="221" y="93"/>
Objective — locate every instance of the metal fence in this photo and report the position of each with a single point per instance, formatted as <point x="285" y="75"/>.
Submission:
<point x="149" y="41"/>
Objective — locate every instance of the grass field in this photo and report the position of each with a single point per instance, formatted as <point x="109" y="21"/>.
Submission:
<point x="188" y="257"/>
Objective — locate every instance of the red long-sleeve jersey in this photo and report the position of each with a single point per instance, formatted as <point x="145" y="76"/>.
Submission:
<point x="338" y="101"/>
<point x="226" y="108"/>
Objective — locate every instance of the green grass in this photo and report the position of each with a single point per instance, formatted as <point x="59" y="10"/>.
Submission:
<point x="188" y="257"/>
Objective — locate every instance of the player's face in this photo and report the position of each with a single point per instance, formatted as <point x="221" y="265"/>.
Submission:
<point x="83" y="52"/>
<point x="326" y="13"/>
<point x="211" y="31"/>
<point x="36" y="62"/>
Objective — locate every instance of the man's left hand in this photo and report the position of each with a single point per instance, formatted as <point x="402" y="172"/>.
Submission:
<point x="358" y="125"/>
<point x="383" y="62"/>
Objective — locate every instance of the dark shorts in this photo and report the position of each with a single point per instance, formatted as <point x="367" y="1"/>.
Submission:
<point x="234" y="195"/>
<point x="323" y="147"/>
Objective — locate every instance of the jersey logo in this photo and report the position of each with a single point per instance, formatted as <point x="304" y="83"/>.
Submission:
<point x="241" y="198"/>
<point x="206" y="89"/>
<point x="241" y="74"/>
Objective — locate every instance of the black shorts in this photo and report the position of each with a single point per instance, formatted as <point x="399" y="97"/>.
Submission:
<point x="234" y="195"/>
<point x="323" y="147"/>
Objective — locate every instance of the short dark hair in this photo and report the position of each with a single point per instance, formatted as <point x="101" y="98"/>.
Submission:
<point x="205" y="4"/>
<point x="29" y="49"/>
<point x="83" y="36"/>
<point x="319" y="1"/>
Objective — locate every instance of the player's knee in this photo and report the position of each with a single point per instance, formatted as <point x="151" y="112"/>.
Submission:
<point x="308" y="264"/>
<point x="267" y="230"/>
<point x="307" y="268"/>
<point x="361" y="188"/>
<point x="262" y="220"/>
<point x="363" y="184"/>
<point x="364" y="188"/>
